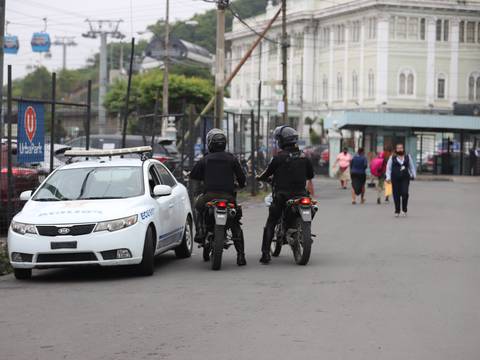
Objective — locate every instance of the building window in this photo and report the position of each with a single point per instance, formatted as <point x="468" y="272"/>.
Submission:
<point x="478" y="33"/>
<point x="471" y="88"/>
<point x="372" y="28"/>
<point x="339" y="87"/>
<point x="391" y="27"/>
<point x="446" y="30"/>
<point x="441" y="87"/>
<point x="461" y="32"/>
<point x="356" y="31"/>
<point x="439" y="30"/>
<point x="477" y="97"/>
<point x="470" y="32"/>
<point x="413" y="28"/>
<point x="354" y="85"/>
<point x="325" y="87"/>
<point x="326" y="36"/>
<point x="272" y="51"/>
<point x="371" y="84"/>
<point x="406" y="83"/>
<point x="401" y="27"/>
<point x="340" y="34"/>
<point x="422" y="28"/>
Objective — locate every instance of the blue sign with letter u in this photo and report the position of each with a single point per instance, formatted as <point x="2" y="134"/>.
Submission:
<point x="31" y="133"/>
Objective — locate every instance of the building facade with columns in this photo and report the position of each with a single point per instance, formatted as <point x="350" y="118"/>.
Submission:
<point x="381" y="56"/>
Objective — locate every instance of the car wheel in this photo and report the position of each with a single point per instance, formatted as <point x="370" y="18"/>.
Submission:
<point x="147" y="266"/>
<point x="184" y="250"/>
<point x="22" y="274"/>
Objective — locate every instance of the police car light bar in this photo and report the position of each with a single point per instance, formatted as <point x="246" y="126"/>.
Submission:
<point x="113" y="152"/>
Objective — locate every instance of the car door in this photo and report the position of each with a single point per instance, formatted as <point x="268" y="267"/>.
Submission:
<point x="179" y="197"/>
<point x="164" y="210"/>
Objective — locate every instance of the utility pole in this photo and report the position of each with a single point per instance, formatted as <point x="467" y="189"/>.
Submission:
<point x="2" y="34"/>
<point x="285" y="46"/>
<point x="64" y="42"/>
<point x="220" y="62"/>
<point x="166" y="60"/>
<point x="103" y="28"/>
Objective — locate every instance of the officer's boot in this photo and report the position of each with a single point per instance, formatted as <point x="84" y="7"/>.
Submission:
<point x="266" y="242"/>
<point x="240" y="247"/>
<point x="199" y="231"/>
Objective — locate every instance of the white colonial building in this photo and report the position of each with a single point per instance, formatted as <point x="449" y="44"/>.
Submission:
<point x="370" y="56"/>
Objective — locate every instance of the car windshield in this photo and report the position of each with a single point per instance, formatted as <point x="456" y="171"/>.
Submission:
<point x="94" y="183"/>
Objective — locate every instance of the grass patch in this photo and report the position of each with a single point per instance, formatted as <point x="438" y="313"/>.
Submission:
<point x="5" y="267"/>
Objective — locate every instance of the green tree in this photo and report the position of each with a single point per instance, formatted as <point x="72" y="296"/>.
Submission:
<point x="183" y="91"/>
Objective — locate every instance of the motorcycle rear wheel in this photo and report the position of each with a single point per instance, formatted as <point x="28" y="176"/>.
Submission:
<point x="218" y="245"/>
<point x="302" y="246"/>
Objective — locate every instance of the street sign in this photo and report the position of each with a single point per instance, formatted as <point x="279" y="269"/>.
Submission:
<point x="281" y="107"/>
<point x="31" y="133"/>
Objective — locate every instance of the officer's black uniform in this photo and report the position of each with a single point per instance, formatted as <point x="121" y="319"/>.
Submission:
<point x="218" y="171"/>
<point x="290" y="169"/>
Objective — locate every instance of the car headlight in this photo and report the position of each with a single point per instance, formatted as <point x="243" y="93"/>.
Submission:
<point x="118" y="224"/>
<point x="21" y="228"/>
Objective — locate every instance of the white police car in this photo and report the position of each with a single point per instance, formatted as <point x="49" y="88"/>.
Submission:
<point x="103" y="212"/>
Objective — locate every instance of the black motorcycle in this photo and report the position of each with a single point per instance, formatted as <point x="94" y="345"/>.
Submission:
<point x="295" y="228"/>
<point x="222" y="223"/>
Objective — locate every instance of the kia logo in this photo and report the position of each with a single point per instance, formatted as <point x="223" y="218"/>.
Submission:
<point x="64" y="231"/>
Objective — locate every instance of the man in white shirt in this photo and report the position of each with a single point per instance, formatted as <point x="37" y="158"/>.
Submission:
<point x="400" y="170"/>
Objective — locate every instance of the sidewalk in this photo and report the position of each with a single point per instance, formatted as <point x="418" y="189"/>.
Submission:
<point x="450" y="178"/>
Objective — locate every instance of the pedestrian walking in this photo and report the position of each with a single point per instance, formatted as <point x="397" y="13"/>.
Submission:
<point x="342" y="167"/>
<point x="378" y="168"/>
<point x="400" y="170"/>
<point x="358" y="169"/>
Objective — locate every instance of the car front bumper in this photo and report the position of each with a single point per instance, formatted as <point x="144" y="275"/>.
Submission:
<point x="96" y="243"/>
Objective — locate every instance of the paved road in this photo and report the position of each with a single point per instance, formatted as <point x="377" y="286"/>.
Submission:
<point x="377" y="288"/>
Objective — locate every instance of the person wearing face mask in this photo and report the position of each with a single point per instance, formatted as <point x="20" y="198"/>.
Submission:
<point x="400" y="170"/>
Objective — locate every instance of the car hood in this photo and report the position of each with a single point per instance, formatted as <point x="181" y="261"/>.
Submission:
<point x="78" y="211"/>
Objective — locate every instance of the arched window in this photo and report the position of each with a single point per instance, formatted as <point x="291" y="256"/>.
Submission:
<point x="371" y="84"/>
<point x="406" y="83"/>
<point x="477" y="97"/>
<point x="471" y="88"/>
<point x="339" y="87"/>
<point x="354" y="85"/>
<point x="410" y="84"/>
<point x="325" y="87"/>
<point x="403" y="82"/>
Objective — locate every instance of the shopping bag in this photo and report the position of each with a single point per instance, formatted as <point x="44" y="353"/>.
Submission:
<point x="388" y="189"/>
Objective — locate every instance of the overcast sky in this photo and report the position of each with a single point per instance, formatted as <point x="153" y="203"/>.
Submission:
<point x="67" y="18"/>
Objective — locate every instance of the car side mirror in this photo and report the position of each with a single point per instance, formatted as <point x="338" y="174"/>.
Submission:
<point x="162" y="190"/>
<point x="26" y="195"/>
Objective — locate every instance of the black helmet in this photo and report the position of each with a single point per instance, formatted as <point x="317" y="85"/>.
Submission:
<point x="286" y="136"/>
<point x="216" y="140"/>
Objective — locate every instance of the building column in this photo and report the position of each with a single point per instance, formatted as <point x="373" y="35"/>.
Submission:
<point x="361" y="76"/>
<point x="431" y="43"/>
<point x="308" y="76"/>
<point x="242" y="76"/>
<point x="383" y="25"/>
<point x="331" y="80"/>
<point x="291" y="71"/>
<point x="452" y="80"/>
<point x="264" y="69"/>
<point x="346" y="77"/>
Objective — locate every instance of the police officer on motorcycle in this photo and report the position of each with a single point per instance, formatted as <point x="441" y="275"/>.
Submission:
<point x="292" y="175"/>
<point x="217" y="170"/>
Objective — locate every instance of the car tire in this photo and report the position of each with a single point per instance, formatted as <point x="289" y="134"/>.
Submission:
<point x="22" y="274"/>
<point x="147" y="266"/>
<point x="184" y="250"/>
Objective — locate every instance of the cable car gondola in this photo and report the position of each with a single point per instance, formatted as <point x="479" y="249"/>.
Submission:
<point x="41" y="40"/>
<point x="11" y="44"/>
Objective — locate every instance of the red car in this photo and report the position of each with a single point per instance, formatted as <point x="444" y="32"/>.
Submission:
<point x="23" y="179"/>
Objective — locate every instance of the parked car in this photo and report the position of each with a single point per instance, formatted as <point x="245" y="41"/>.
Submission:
<point x="164" y="150"/>
<point x="102" y="212"/>
<point x="23" y="179"/>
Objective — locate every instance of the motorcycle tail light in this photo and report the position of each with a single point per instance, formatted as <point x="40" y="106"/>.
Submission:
<point x="222" y="204"/>
<point x="231" y="205"/>
<point x="306" y="201"/>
